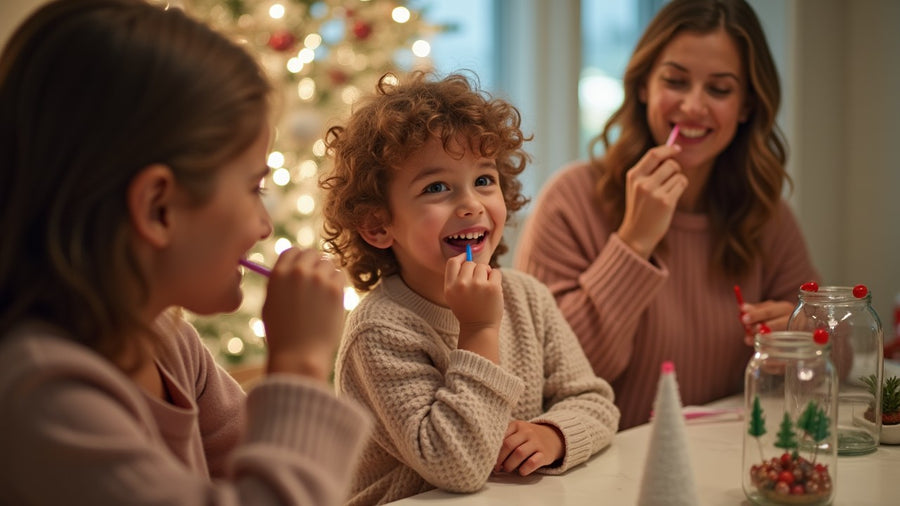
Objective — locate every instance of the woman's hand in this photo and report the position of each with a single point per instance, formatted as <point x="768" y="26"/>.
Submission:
<point x="652" y="189"/>
<point x="474" y="294"/>
<point x="303" y="313"/>
<point x="775" y="314"/>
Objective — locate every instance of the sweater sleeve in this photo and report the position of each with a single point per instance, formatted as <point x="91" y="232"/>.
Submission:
<point x="580" y="404"/>
<point x="444" y="424"/>
<point x="601" y="286"/>
<point x="72" y="421"/>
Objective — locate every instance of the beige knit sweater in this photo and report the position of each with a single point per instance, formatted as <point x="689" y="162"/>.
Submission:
<point x="631" y="315"/>
<point x="440" y="412"/>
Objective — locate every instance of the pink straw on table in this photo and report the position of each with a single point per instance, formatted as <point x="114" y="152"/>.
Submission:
<point x="672" y="136"/>
<point x="255" y="267"/>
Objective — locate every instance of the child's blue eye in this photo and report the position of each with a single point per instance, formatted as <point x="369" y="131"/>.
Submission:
<point x="436" y="188"/>
<point x="484" y="181"/>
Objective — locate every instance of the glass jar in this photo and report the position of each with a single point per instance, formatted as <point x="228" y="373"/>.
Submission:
<point x="857" y="350"/>
<point x="790" y="441"/>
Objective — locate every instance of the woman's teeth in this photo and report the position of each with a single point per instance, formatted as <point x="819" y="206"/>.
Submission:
<point x="691" y="133"/>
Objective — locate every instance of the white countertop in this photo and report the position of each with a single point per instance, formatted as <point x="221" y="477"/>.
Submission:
<point x="614" y="476"/>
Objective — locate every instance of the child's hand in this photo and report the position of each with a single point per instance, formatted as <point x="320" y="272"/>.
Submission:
<point x="303" y="313"/>
<point x="775" y="314"/>
<point x="529" y="446"/>
<point x="474" y="294"/>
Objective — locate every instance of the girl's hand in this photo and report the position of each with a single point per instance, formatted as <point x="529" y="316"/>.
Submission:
<point x="775" y="314"/>
<point x="303" y="313"/>
<point x="529" y="446"/>
<point x="474" y="294"/>
<point x="652" y="189"/>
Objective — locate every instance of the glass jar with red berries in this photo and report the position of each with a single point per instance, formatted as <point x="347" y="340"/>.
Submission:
<point x="790" y="437"/>
<point x="857" y="350"/>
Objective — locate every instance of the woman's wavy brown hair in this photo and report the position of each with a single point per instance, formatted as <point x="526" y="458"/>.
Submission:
<point x="389" y="126"/>
<point x="91" y="93"/>
<point x="747" y="179"/>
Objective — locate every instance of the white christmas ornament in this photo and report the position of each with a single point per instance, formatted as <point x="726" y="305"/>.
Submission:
<point x="668" y="479"/>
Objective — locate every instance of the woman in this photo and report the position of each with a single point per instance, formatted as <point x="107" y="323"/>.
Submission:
<point x="643" y="246"/>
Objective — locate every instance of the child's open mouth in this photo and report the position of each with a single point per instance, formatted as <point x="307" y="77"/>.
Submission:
<point x="459" y="241"/>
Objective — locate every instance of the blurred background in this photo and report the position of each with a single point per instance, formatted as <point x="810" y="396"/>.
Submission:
<point x="561" y="63"/>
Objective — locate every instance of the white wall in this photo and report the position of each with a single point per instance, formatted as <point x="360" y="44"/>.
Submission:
<point x="846" y="111"/>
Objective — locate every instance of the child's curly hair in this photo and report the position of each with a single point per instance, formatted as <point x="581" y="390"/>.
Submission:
<point x="383" y="132"/>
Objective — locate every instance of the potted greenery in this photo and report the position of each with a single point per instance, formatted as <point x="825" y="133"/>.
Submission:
<point x="890" y="408"/>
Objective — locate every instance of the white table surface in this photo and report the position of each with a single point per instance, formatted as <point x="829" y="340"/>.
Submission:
<point x="613" y="476"/>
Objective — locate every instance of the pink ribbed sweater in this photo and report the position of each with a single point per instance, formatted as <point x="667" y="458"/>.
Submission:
<point x="630" y="314"/>
<point x="75" y="430"/>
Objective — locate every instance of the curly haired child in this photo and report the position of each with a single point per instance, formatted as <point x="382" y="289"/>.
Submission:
<point x="467" y="369"/>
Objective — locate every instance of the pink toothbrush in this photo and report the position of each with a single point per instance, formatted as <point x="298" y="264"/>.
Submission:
<point x="672" y="136"/>
<point x="255" y="267"/>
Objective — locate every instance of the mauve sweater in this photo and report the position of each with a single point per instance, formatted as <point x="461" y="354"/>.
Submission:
<point x="75" y="430"/>
<point x="631" y="314"/>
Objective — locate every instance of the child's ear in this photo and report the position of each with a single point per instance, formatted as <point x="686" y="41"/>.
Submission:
<point x="376" y="233"/>
<point x="150" y="196"/>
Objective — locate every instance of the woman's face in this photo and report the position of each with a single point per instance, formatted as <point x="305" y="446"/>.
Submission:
<point x="698" y="83"/>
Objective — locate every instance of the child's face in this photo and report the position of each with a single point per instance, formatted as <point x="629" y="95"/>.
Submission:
<point x="213" y="238"/>
<point x="697" y="82"/>
<point x="439" y="204"/>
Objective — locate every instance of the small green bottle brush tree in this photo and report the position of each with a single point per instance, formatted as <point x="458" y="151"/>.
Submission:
<point x="890" y="400"/>
<point x="792" y="478"/>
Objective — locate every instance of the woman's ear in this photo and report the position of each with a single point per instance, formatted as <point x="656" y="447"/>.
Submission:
<point x="150" y="196"/>
<point x="376" y="231"/>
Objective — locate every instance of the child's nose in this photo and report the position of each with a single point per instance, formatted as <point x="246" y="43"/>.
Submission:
<point x="469" y="205"/>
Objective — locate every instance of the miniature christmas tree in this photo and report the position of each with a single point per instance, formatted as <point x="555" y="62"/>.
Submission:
<point x="787" y="438"/>
<point x="757" y="424"/>
<point x="791" y="478"/>
<point x="668" y="479"/>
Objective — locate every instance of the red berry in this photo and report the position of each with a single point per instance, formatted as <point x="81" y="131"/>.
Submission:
<point x="820" y="336"/>
<point x="811" y="286"/>
<point x="764" y="329"/>
<point x="786" y="459"/>
<point x="786" y="476"/>
<point x="797" y="490"/>
<point x="860" y="291"/>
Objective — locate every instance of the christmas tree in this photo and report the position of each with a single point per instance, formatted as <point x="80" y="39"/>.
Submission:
<point x="321" y="56"/>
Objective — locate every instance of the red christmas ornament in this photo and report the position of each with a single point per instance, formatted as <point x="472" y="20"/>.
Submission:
<point x="860" y="291"/>
<point x="281" y="40"/>
<point x="812" y="286"/>
<point x="337" y="76"/>
<point x="820" y="336"/>
<point x="362" y="30"/>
